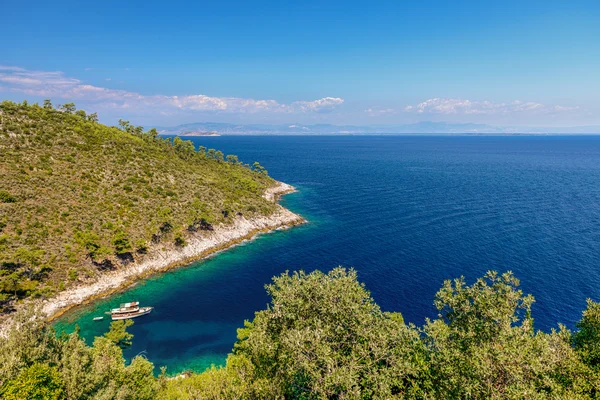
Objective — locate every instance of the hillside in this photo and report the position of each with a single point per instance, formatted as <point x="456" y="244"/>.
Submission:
<point x="78" y="198"/>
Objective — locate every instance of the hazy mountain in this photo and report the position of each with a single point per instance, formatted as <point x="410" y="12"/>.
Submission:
<point x="425" y="127"/>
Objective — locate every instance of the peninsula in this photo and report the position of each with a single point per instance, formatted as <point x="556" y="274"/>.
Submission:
<point x="87" y="209"/>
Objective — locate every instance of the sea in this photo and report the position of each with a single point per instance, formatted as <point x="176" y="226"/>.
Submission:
<point x="407" y="213"/>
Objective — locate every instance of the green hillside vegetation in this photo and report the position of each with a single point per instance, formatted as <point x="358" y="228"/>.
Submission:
<point x="78" y="197"/>
<point x="323" y="337"/>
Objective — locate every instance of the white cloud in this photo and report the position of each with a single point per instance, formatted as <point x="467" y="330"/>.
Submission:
<point x="376" y="111"/>
<point x="10" y="68"/>
<point x="485" y="107"/>
<point x="57" y="85"/>
<point x="322" y="105"/>
<point x="21" y="78"/>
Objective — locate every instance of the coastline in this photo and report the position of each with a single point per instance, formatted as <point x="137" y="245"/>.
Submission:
<point x="199" y="245"/>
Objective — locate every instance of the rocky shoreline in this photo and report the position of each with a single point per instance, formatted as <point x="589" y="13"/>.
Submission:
<point x="199" y="245"/>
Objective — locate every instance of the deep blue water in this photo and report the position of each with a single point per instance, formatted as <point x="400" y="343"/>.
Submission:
<point x="406" y="213"/>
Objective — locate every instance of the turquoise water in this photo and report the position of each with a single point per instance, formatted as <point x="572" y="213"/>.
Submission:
<point x="407" y="213"/>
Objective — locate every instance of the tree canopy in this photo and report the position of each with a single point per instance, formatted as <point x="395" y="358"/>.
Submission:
<point x="322" y="336"/>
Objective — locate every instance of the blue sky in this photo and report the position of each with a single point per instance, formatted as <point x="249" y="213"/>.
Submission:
<point x="523" y="63"/>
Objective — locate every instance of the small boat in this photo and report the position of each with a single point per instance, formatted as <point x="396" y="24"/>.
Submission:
<point x="129" y="310"/>
<point x="98" y="318"/>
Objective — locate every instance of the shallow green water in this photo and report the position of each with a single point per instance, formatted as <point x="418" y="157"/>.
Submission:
<point x="191" y="326"/>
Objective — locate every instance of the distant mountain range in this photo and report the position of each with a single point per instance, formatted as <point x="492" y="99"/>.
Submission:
<point x="216" y="128"/>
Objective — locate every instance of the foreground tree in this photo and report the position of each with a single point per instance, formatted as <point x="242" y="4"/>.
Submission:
<point x="587" y="339"/>
<point x="323" y="336"/>
<point x="483" y="346"/>
<point x="587" y="344"/>
<point x="118" y="333"/>
<point x="39" y="381"/>
<point x="35" y="363"/>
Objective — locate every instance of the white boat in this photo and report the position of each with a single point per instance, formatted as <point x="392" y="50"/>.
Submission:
<point x="98" y="318"/>
<point x="129" y="310"/>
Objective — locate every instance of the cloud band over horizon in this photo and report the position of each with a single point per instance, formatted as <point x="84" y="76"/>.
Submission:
<point x="56" y="84"/>
<point x="468" y="107"/>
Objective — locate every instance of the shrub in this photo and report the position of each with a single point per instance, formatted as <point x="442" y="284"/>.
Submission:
<point x="121" y="243"/>
<point x="180" y="241"/>
<point x="6" y="197"/>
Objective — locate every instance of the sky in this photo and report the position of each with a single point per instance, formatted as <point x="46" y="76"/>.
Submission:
<point x="511" y="63"/>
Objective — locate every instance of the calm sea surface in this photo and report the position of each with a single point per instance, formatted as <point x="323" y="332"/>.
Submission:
<point x="406" y="213"/>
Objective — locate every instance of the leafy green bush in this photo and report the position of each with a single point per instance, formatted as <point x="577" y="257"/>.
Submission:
<point x="39" y="381"/>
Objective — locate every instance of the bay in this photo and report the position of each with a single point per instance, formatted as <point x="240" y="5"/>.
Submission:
<point x="406" y="213"/>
